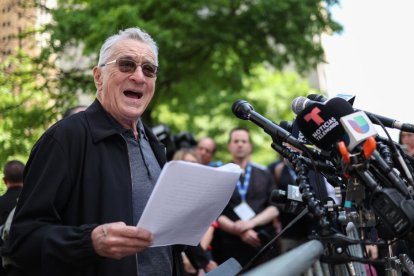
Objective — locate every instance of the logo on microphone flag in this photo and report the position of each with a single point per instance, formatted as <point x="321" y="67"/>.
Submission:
<point x="359" y="124"/>
<point x="358" y="127"/>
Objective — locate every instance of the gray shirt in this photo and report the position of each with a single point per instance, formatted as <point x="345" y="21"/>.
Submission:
<point x="145" y="171"/>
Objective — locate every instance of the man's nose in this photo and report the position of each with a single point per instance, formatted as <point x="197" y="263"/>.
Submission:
<point x="138" y="75"/>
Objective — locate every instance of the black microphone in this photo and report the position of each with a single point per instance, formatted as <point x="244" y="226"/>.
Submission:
<point x="293" y="128"/>
<point x="320" y="122"/>
<point x="244" y="110"/>
<point x="300" y="103"/>
<point x="317" y="98"/>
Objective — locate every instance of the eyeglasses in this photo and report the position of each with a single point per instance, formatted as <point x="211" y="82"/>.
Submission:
<point x="129" y="66"/>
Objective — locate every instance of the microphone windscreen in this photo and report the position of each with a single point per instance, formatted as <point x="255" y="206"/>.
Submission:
<point x="241" y="109"/>
<point x="298" y="104"/>
<point x="317" y="98"/>
<point x="320" y="122"/>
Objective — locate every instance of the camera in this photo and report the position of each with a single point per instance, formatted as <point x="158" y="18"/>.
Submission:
<point x="173" y="142"/>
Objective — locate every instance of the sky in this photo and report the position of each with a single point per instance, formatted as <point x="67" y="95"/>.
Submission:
<point x="373" y="58"/>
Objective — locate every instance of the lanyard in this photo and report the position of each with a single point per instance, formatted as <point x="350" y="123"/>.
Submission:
<point x="243" y="190"/>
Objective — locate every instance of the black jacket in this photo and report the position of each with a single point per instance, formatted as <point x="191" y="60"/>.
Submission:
<point x="77" y="176"/>
<point x="8" y="201"/>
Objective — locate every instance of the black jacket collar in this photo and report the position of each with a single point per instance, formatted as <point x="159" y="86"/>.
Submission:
<point x="103" y="126"/>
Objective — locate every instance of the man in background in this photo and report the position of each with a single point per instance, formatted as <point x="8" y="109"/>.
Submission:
<point x="205" y="150"/>
<point x="13" y="179"/>
<point x="246" y="223"/>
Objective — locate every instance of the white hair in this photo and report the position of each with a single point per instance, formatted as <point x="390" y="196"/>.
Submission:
<point x="130" y="33"/>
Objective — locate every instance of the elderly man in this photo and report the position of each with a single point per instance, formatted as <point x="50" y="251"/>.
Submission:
<point x="89" y="177"/>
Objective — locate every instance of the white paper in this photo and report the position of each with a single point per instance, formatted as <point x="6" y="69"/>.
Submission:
<point x="187" y="198"/>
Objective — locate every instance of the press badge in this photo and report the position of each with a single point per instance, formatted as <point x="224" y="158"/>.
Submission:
<point x="244" y="211"/>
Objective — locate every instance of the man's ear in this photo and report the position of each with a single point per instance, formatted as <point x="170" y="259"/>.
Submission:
<point x="97" y="77"/>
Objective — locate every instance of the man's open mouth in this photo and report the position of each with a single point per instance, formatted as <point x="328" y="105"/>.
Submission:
<point x="133" y="94"/>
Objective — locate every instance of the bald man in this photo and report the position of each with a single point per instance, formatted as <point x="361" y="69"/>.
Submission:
<point x="205" y="150"/>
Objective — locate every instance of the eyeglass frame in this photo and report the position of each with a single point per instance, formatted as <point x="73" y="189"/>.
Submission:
<point x="157" y="68"/>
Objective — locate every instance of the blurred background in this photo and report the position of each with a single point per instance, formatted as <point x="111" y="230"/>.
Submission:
<point x="211" y="54"/>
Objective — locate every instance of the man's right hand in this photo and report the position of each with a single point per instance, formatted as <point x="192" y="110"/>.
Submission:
<point x="117" y="240"/>
<point x="251" y="237"/>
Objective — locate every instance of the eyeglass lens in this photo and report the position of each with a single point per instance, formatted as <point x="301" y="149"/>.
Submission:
<point x="129" y="66"/>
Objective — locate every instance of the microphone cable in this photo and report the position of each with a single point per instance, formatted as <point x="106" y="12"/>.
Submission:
<point x="265" y="248"/>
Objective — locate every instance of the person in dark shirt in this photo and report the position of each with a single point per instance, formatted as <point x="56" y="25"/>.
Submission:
<point x="246" y="224"/>
<point x="13" y="179"/>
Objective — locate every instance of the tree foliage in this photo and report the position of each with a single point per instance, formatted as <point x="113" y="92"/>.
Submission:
<point x="206" y="47"/>
<point x="211" y="54"/>
<point x="25" y="106"/>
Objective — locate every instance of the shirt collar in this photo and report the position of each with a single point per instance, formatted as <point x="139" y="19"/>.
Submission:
<point x="102" y="124"/>
<point x="141" y="130"/>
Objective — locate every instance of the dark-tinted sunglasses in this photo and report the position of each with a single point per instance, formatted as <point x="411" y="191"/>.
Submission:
<point x="129" y="66"/>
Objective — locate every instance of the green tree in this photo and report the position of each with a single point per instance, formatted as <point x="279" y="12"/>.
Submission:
<point x="26" y="106"/>
<point x="206" y="47"/>
<point x="211" y="54"/>
<point x="270" y="93"/>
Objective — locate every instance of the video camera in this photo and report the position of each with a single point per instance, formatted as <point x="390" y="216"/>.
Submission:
<point x="173" y="142"/>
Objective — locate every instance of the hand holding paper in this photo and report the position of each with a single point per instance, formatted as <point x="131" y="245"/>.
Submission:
<point x="187" y="198"/>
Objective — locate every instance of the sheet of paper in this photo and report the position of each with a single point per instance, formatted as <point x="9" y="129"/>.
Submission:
<point x="187" y="198"/>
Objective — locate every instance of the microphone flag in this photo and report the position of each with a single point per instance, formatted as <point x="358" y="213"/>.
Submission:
<point x="358" y="127"/>
<point x="320" y="122"/>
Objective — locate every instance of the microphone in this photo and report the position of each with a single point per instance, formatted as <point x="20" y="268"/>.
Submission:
<point x="320" y="122"/>
<point x="300" y="103"/>
<point x="244" y="110"/>
<point x="358" y="129"/>
<point x="317" y="98"/>
<point x="321" y="98"/>
<point x="290" y="201"/>
<point x="293" y="128"/>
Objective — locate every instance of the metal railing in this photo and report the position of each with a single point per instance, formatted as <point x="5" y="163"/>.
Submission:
<point x="293" y="262"/>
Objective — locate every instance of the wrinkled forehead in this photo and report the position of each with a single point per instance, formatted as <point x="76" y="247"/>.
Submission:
<point x="134" y="49"/>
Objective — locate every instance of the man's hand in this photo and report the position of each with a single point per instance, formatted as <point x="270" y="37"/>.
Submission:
<point x="210" y="266"/>
<point x="117" y="240"/>
<point x="251" y="237"/>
